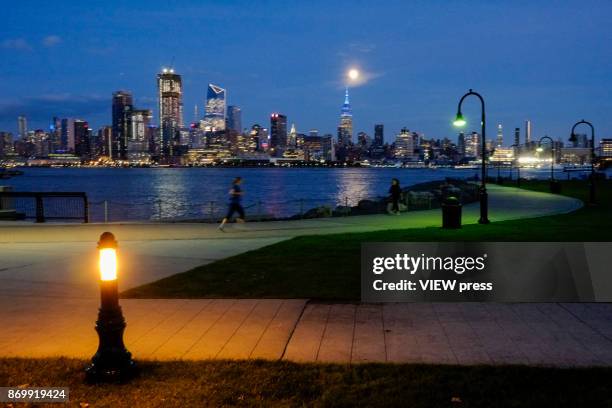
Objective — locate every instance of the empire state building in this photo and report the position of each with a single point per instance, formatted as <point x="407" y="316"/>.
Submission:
<point x="345" y="129"/>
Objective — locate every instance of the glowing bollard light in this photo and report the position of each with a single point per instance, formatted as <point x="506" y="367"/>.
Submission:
<point x="112" y="362"/>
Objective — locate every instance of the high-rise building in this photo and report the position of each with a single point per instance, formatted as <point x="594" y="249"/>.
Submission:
<point x="67" y="135"/>
<point x="517" y="137"/>
<point x="472" y="145"/>
<point x="327" y="145"/>
<point x="170" y="106"/>
<point x="605" y="148"/>
<point x="105" y="141"/>
<point x="500" y="136"/>
<point x="405" y="143"/>
<point x="122" y="111"/>
<point x="234" y="118"/>
<point x="258" y="138"/>
<point x="81" y="139"/>
<point x="55" y="130"/>
<point x="379" y="135"/>
<point x="214" y="118"/>
<point x="461" y="144"/>
<point x="363" y="140"/>
<point x="527" y="132"/>
<point x="6" y="143"/>
<point x="278" y="132"/>
<point x="345" y="129"/>
<point x="22" y="126"/>
<point x="292" y="138"/>
<point x="138" y="145"/>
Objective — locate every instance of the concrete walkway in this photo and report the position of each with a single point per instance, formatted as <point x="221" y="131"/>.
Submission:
<point x="49" y="300"/>
<point x="573" y="334"/>
<point x="551" y="334"/>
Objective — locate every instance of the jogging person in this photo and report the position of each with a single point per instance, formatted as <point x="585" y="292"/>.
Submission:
<point x="235" y="203"/>
<point x="396" y="192"/>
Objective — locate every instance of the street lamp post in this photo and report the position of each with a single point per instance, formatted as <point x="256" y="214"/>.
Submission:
<point x="460" y="121"/>
<point x="573" y="138"/>
<point x="518" y="164"/>
<point x="112" y="362"/>
<point x="554" y="186"/>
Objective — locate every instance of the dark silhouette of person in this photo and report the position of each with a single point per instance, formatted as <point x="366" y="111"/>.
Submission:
<point x="396" y="193"/>
<point x="235" y="203"/>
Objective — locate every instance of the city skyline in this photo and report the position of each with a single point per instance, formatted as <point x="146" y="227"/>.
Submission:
<point x="70" y="71"/>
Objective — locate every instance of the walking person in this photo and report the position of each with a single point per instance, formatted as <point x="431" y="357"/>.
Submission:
<point x="235" y="203"/>
<point x="396" y="193"/>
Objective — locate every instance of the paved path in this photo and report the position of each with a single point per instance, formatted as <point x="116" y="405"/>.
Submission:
<point x="52" y="259"/>
<point x="574" y="334"/>
<point x="156" y="328"/>
<point x="548" y="334"/>
<point x="49" y="300"/>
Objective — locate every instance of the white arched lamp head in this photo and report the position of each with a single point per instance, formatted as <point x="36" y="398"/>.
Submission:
<point x="107" y="247"/>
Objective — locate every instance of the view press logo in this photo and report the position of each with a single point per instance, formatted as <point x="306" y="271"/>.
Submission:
<point x="412" y="264"/>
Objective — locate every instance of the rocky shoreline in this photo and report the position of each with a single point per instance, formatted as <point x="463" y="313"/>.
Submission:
<point x="422" y="196"/>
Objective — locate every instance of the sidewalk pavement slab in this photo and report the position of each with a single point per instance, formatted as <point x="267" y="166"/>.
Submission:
<point x="549" y="334"/>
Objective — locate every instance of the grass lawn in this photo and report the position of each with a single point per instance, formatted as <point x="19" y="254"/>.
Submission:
<point x="327" y="266"/>
<point x="279" y="384"/>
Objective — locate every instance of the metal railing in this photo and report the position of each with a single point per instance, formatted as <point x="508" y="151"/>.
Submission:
<point x="262" y="210"/>
<point x="43" y="206"/>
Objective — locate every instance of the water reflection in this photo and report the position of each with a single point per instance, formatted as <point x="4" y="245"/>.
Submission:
<point x="140" y="194"/>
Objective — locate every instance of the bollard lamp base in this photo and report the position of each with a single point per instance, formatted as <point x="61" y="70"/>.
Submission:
<point x="112" y="363"/>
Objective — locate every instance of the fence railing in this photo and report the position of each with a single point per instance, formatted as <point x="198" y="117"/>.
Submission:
<point x="262" y="210"/>
<point x="43" y="206"/>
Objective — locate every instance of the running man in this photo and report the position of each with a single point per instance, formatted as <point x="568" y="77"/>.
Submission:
<point x="396" y="193"/>
<point x="235" y="203"/>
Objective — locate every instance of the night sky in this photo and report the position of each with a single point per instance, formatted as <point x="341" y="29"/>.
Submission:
<point x="550" y="62"/>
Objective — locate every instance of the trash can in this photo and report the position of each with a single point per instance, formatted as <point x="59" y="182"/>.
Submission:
<point x="451" y="213"/>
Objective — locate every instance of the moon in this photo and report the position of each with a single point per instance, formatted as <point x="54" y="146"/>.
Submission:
<point x="353" y="74"/>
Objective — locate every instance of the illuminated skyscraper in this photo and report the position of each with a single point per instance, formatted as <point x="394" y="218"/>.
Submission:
<point x="81" y="139"/>
<point x="22" y="125"/>
<point x="527" y="132"/>
<point x="55" y="130"/>
<point x="214" y="118"/>
<point x="405" y="143"/>
<point x="67" y="135"/>
<point x="234" y="118"/>
<point x="472" y="145"/>
<point x="500" y="136"/>
<point x="170" y="101"/>
<point x="278" y="132"/>
<point x="122" y="110"/>
<point x="138" y="145"/>
<point x="345" y="129"/>
<point x="292" y="138"/>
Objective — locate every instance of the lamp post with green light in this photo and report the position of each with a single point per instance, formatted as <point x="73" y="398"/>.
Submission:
<point x="459" y="122"/>
<point x="517" y="150"/>
<point x="554" y="185"/>
<point x="573" y="138"/>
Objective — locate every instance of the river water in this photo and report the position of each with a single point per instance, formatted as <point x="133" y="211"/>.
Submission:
<point x="125" y="194"/>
